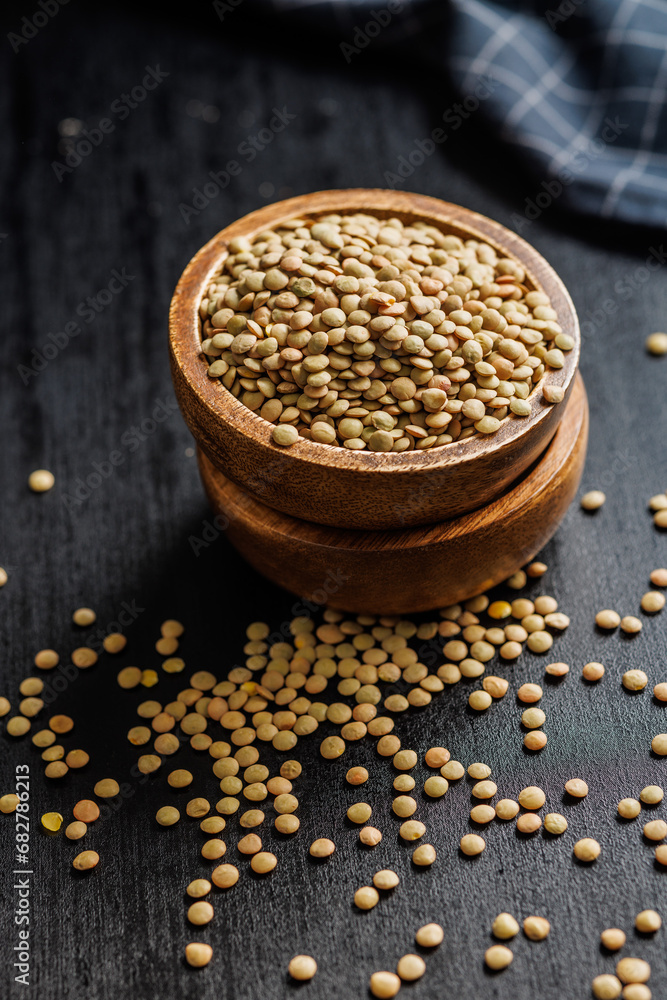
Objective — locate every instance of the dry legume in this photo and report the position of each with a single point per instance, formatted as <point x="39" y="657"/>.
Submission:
<point x="304" y="321"/>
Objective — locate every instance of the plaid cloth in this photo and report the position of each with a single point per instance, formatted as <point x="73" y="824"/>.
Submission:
<point x="578" y="87"/>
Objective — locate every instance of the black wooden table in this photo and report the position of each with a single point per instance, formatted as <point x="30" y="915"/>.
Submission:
<point x="96" y="227"/>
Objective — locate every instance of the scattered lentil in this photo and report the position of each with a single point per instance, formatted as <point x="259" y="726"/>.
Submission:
<point x="498" y="957"/>
<point x="41" y="481"/>
<point x="167" y="815"/>
<point x="385" y="879"/>
<point x="613" y="938"/>
<point x="593" y="671"/>
<point x="198" y="954"/>
<point x="555" y="823"/>
<point x="648" y="921"/>
<point x="536" y="928"/>
<point x="411" y="967"/>
<point x="52" y="821"/>
<point x="322" y="848"/>
<point x="384" y="985"/>
<point x="651" y="794"/>
<point x="302" y="967"/>
<point x="577" y="788"/>
<point x="424" y="855"/>
<point x="263" y="862"/>
<point x="429" y="936"/>
<point x="528" y="823"/>
<point x="633" y="970"/>
<point x="655" y="829"/>
<point x="507" y="809"/>
<point x="76" y="830"/>
<point x="607" y="619"/>
<point x="532" y="797"/>
<point x="471" y="844"/>
<point x="86" y="860"/>
<point x="225" y="876"/>
<point x="606" y="987"/>
<point x="587" y="849"/>
<point x="504" y="926"/>
<point x="656" y="343"/>
<point x="593" y="500"/>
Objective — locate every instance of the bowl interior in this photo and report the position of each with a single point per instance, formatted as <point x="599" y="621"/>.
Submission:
<point x="185" y="323"/>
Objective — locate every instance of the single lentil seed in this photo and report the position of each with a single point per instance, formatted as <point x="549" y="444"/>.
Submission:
<point x="411" y="967"/>
<point x="655" y="829"/>
<point x="633" y="970"/>
<point x="498" y="957"/>
<point x="577" y="788"/>
<point x="429" y="936"/>
<point x="504" y="926"/>
<point x="52" y="821"/>
<point x="86" y="860"/>
<point x="636" y="991"/>
<point x="651" y="794"/>
<point x="424" y="855"/>
<point x="593" y="671"/>
<point x="86" y="810"/>
<point x="536" y="928"/>
<point x="593" y="500"/>
<point x="76" y="830"/>
<point x="225" y="876"/>
<point x="302" y="967"/>
<point x="507" y="809"/>
<point x="555" y="823"/>
<point x="198" y="887"/>
<point x="198" y="954"/>
<point x="263" y="862"/>
<point x="200" y="913"/>
<point x="613" y="938"/>
<point x="107" y="788"/>
<point x="587" y="849"/>
<point x="606" y="987"/>
<point x="656" y="343"/>
<point x="167" y="815"/>
<point x="607" y="619"/>
<point x="648" y="922"/>
<point x="472" y="844"/>
<point x="629" y="808"/>
<point x="41" y="481"/>
<point x="384" y="985"/>
<point x="528" y="823"/>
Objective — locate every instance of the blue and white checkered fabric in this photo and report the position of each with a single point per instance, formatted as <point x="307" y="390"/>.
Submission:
<point x="578" y="86"/>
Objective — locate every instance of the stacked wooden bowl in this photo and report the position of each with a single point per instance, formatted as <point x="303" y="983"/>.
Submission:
<point x="382" y="533"/>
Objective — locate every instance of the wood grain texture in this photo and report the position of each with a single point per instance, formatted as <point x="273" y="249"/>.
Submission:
<point x="146" y="537"/>
<point x="332" y="485"/>
<point x="411" y="569"/>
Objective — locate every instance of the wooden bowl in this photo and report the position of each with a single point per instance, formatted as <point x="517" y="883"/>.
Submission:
<point x="411" y="569"/>
<point x="360" y="489"/>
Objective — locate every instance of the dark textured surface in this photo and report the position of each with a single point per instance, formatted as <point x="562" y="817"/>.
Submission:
<point x="121" y="930"/>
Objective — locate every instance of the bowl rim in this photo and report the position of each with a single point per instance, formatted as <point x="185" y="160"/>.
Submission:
<point x="185" y="327"/>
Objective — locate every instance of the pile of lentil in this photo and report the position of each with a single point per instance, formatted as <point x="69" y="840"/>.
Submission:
<point x="278" y="698"/>
<point x="366" y="333"/>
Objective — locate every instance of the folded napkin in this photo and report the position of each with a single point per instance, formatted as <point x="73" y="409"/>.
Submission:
<point x="578" y="87"/>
